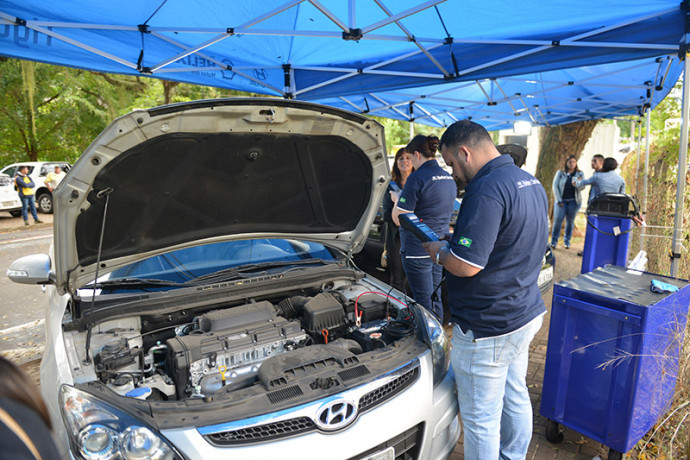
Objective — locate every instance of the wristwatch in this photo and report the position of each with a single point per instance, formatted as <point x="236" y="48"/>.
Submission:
<point x="437" y="260"/>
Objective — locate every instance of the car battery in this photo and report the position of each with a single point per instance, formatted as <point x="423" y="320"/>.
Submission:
<point x="369" y="336"/>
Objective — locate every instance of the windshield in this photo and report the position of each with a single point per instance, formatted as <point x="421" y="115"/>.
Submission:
<point x="188" y="264"/>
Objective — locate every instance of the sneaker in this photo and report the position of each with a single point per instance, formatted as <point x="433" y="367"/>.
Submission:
<point x="567" y="246"/>
<point x="552" y="246"/>
<point x="26" y="222"/>
<point x="579" y="253"/>
<point x="37" y="221"/>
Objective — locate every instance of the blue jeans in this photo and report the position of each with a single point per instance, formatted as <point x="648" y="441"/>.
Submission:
<point x="28" y="202"/>
<point x="494" y="403"/>
<point x="568" y="212"/>
<point x="424" y="276"/>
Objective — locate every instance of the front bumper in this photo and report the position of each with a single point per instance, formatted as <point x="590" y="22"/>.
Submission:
<point x="423" y="420"/>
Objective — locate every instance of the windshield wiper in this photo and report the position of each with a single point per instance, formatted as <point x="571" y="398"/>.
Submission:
<point x="245" y="271"/>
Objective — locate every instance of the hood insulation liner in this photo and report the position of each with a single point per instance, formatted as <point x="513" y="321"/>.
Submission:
<point x="183" y="187"/>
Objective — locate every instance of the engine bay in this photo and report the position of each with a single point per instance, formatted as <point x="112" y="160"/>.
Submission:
<point x="261" y="344"/>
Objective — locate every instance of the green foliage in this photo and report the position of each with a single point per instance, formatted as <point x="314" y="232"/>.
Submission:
<point x="53" y="113"/>
<point x="398" y="132"/>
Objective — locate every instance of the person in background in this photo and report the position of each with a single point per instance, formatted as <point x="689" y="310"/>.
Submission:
<point x="597" y="164"/>
<point x="606" y="180"/>
<point x="429" y="193"/>
<point x="24" y="421"/>
<point x="492" y="263"/>
<point x="54" y="178"/>
<point x="567" y="200"/>
<point x="402" y="168"/>
<point x="25" y="188"/>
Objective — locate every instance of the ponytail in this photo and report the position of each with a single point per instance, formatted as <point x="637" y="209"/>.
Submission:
<point x="426" y="145"/>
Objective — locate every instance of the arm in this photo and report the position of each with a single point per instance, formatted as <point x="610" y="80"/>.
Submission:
<point x="579" y="177"/>
<point x="581" y="183"/>
<point x="475" y="236"/>
<point x="406" y="202"/>
<point x="557" y="192"/>
<point x="440" y="254"/>
<point x="622" y="187"/>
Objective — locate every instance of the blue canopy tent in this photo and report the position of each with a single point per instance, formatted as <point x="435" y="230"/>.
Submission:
<point x="544" y="98"/>
<point x="311" y="49"/>
<point x="327" y="49"/>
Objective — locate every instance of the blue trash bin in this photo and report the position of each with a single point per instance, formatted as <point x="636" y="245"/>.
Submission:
<point x="612" y="355"/>
<point x="609" y="223"/>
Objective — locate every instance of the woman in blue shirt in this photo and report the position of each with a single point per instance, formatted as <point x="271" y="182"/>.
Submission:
<point x="607" y="180"/>
<point x="402" y="168"/>
<point x="429" y="193"/>
<point x="567" y="200"/>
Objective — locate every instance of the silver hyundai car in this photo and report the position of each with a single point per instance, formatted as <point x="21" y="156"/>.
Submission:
<point x="203" y="302"/>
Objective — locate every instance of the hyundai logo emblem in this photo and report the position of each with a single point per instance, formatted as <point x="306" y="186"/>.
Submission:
<point x="336" y="415"/>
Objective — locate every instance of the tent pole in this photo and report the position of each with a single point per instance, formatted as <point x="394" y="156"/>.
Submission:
<point x="637" y="161"/>
<point x="682" y="171"/>
<point x="411" y="129"/>
<point x="646" y="177"/>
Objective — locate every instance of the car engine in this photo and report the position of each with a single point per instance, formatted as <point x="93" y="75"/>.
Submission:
<point x="233" y="347"/>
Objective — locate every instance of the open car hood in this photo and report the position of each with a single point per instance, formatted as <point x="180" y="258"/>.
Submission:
<point x="208" y="171"/>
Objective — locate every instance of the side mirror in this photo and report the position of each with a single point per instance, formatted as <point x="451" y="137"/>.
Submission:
<point x="33" y="269"/>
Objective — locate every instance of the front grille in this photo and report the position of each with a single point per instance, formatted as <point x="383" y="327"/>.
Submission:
<point x="262" y="433"/>
<point x="302" y="425"/>
<point x="392" y="388"/>
<point x="406" y="445"/>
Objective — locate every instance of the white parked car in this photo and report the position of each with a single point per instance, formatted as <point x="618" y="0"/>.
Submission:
<point x="38" y="170"/>
<point x="203" y="303"/>
<point x="9" y="199"/>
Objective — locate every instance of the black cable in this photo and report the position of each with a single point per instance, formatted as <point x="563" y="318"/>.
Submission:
<point x="434" y="294"/>
<point x="607" y="233"/>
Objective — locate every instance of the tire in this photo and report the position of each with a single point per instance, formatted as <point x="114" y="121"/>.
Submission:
<point x="615" y="455"/>
<point x="44" y="203"/>
<point x="16" y="213"/>
<point x="553" y="432"/>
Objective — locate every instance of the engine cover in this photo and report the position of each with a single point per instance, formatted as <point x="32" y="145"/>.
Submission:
<point x="238" y="338"/>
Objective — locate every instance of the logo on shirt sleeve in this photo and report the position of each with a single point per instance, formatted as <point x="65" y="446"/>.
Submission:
<point x="463" y="241"/>
<point x="402" y="200"/>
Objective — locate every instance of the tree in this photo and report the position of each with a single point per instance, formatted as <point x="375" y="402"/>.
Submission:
<point x="556" y="144"/>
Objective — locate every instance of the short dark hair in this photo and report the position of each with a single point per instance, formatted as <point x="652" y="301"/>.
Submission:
<point x="465" y="132"/>
<point x="598" y="156"/>
<point x="610" y="164"/>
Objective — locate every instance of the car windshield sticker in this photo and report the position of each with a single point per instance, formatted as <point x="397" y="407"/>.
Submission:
<point x="465" y="242"/>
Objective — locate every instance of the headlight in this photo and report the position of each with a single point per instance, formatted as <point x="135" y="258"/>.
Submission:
<point x="438" y="342"/>
<point x="99" y="431"/>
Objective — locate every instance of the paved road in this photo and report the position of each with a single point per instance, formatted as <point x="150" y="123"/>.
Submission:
<point x="22" y="306"/>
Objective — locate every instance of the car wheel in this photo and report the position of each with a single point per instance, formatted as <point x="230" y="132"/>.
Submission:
<point x="16" y="213"/>
<point x="45" y="203"/>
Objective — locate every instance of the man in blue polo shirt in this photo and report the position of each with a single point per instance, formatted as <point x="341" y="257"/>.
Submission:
<point x="492" y="263"/>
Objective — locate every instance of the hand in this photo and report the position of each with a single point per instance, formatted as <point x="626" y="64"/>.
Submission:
<point x="433" y="247"/>
<point x="560" y="205"/>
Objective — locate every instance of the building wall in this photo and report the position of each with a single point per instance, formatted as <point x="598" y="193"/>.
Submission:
<point x="604" y="140"/>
